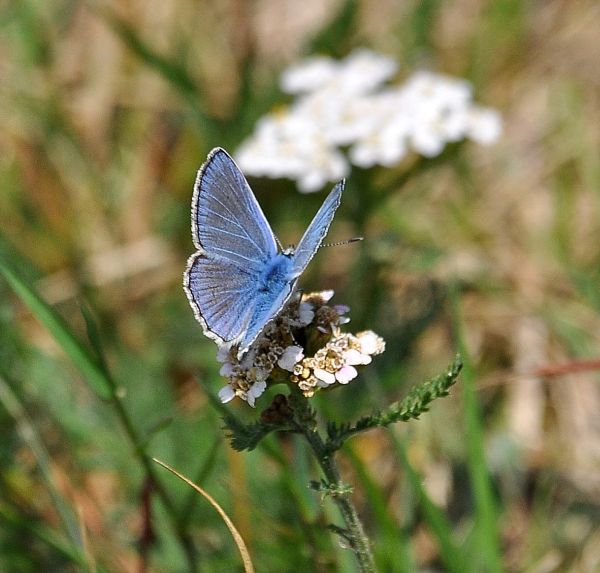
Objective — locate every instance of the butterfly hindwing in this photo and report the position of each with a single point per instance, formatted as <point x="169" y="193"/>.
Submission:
<point x="221" y="296"/>
<point x="268" y="308"/>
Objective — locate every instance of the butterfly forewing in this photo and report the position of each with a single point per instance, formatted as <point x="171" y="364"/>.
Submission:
<point x="314" y="235"/>
<point x="226" y="218"/>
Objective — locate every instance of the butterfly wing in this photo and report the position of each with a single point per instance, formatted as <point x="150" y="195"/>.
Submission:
<point x="227" y="220"/>
<point x="314" y="235"/>
<point x="221" y="296"/>
<point x="234" y="242"/>
<point x="269" y="304"/>
<point x="270" y="300"/>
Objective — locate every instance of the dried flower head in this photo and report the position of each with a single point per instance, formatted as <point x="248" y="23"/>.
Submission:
<point x="303" y="346"/>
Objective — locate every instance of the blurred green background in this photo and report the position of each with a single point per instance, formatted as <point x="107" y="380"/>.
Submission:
<point x="108" y="109"/>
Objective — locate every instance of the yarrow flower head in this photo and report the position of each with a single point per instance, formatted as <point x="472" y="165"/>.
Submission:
<point x="304" y="346"/>
<point x="344" y="104"/>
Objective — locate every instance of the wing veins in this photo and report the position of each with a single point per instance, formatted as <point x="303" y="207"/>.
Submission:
<point x="234" y="254"/>
<point x="233" y="222"/>
<point x="219" y="309"/>
<point x="224" y="291"/>
<point x="232" y="234"/>
<point x="236" y="221"/>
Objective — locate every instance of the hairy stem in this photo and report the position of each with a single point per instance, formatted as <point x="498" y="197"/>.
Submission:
<point x="355" y="532"/>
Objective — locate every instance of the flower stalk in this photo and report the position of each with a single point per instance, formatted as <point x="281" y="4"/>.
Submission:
<point x="306" y="349"/>
<point x="354" y="533"/>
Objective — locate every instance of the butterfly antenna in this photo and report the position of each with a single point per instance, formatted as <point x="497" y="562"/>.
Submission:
<point x="339" y="243"/>
<point x="278" y="242"/>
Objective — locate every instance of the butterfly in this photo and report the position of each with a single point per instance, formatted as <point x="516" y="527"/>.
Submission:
<point x="239" y="280"/>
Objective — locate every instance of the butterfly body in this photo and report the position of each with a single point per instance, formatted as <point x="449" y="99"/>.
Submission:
<point x="238" y="280"/>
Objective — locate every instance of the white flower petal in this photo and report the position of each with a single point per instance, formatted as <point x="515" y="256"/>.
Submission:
<point x="306" y="313"/>
<point x="364" y="70"/>
<point x="326" y="377"/>
<point x="226" y="394"/>
<point x="345" y="374"/>
<point x="353" y="357"/>
<point x="342" y="104"/>
<point x="291" y="355"/>
<point x="226" y="369"/>
<point x="255" y="391"/>
<point x="368" y="341"/>
<point x="223" y="354"/>
<point x="247" y="361"/>
<point x="485" y="125"/>
<point x="427" y="141"/>
<point x="308" y="75"/>
<point x="326" y="295"/>
<point x="311" y="182"/>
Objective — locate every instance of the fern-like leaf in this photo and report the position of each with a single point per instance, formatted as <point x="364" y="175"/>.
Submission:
<point x="411" y="407"/>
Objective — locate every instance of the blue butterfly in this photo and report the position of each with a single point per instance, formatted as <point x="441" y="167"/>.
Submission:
<point x="239" y="280"/>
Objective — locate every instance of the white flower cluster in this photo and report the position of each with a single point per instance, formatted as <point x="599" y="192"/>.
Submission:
<point x="248" y="376"/>
<point x="334" y="362"/>
<point x="329" y="356"/>
<point x="341" y="104"/>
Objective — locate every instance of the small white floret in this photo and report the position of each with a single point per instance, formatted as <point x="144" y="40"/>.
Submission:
<point x="326" y="377"/>
<point x="255" y="391"/>
<point x="226" y="394"/>
<point x="290" y="357"/>
<point x="345" y="374"/>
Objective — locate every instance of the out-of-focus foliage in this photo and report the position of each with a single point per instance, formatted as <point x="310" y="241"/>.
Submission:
<point x="109" y="108"/>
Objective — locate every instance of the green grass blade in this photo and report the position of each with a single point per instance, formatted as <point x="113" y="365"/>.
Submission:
<point x="422" y="24"/>
<point x="93" y="334"/>
<point x="206" y="468"/>
<point x="172" y="72"/>
<point x="438" y="523"/>
<point x="394" y="554"/>
<point x="336" y="37"/>
<point x="30" y="436"/>
<point x="10" y="518"/>
<point x="81" y="357"/>
<point x="486" y="510"/>
<point x="34" y="40"/>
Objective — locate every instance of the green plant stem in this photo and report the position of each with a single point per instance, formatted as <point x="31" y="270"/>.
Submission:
<point x="356" y="535"/>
